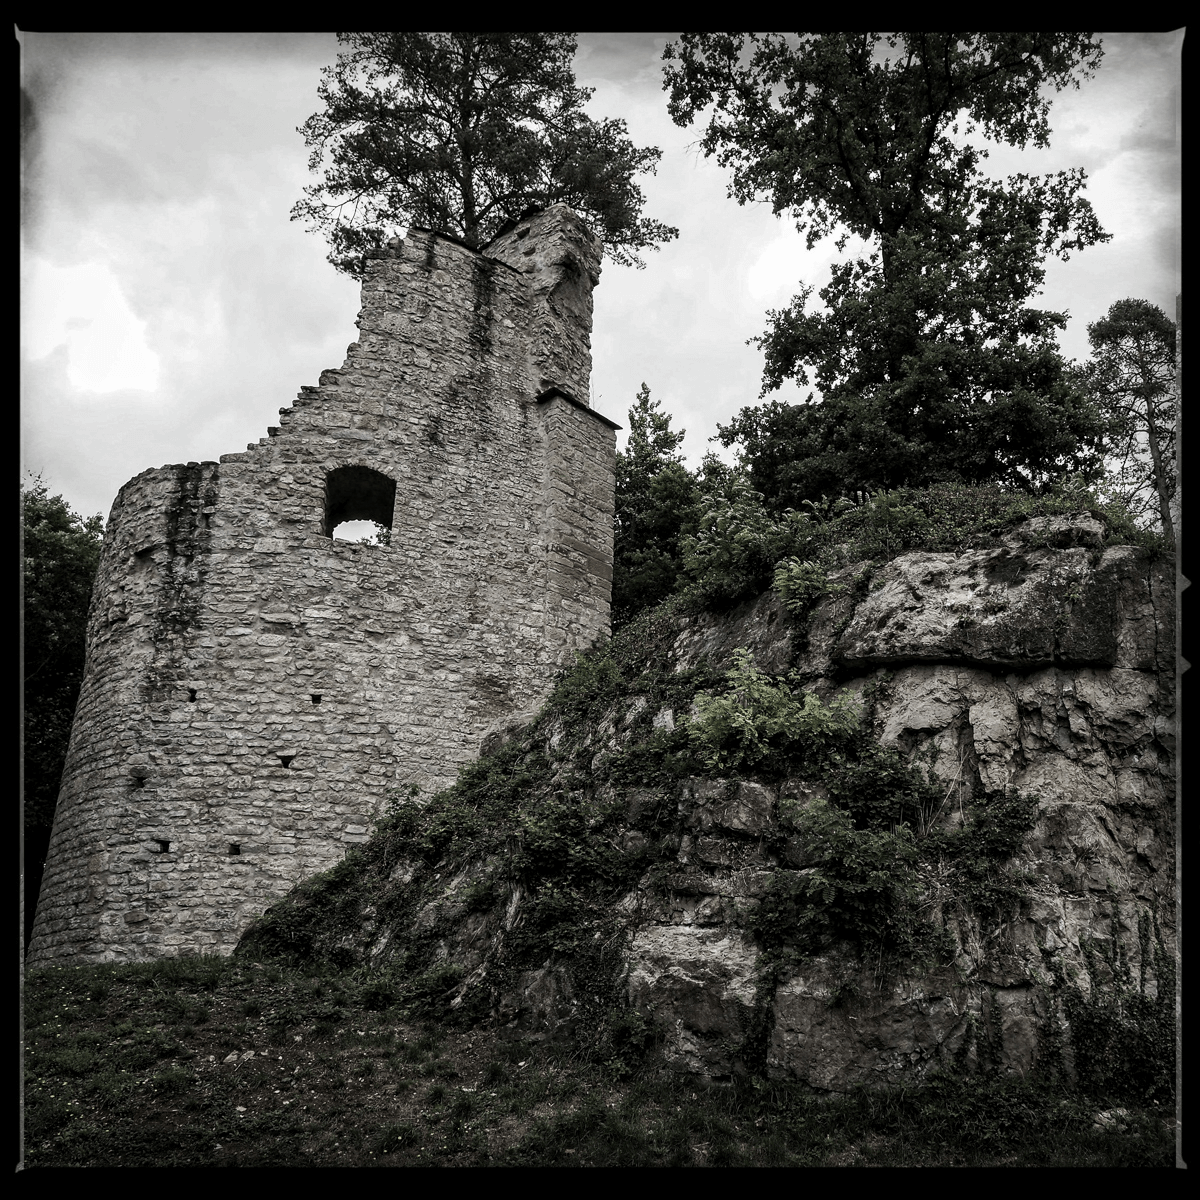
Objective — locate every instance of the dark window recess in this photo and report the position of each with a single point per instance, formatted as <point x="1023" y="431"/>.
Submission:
<point x="138" y="781"/>
<point x="191" y="695"/>
<point x="234" y="848"/>
<point x="358" y="494"/>
<point x="316" y="699"/>
<point x="163" y="847"/>
<point x="285" y="760"/>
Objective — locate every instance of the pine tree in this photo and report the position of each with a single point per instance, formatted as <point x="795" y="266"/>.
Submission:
<point x="656" y="496"/>
<point x="1132" y="377"/>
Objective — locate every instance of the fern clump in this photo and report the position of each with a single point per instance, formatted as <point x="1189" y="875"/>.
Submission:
<point x="760" y="720"/>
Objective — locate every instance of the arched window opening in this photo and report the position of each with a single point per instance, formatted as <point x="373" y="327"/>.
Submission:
<point x="358" y="505"/>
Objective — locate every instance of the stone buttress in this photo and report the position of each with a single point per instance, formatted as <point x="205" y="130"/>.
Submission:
<point x="254" y="688"/>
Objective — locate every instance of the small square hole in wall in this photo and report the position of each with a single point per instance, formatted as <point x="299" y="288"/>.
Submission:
<point x="316" y="697"/>
<point x="137" y="781"/>
<point x="191" y="695"/>
<point x="285" y="760"/>
<point x="234" y="848"/>
<point x="163" y="846"/>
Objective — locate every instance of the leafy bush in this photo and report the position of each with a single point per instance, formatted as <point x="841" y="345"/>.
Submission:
<point x="879" y="788"/>
<point x="741" y="546"/>
<point x="582" y="693"/>
<point x="802" y="583"/>
<point x="861" y="887"/>
<point x="760" y="720"/>
<point x="736" y="546"/>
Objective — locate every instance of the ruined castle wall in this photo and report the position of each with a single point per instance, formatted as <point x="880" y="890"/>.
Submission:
<point x="254" y="687"/>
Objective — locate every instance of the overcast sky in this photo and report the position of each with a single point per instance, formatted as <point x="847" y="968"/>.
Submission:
<point x="170" y="308"/>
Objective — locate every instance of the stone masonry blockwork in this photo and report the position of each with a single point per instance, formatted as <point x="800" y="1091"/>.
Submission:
<point x="255" y="688"/>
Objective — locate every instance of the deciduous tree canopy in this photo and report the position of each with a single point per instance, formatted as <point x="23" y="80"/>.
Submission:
<point x="462" y="133"/>
<point x="932" y="364"/>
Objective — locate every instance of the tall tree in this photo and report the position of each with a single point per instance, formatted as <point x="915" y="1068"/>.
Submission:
<point x="462" y="133"/>
<point x="1132" y="377"/>
<point x="931" y="362"/>
<point x="60" y="552"/>
<point x="656" y="496"/>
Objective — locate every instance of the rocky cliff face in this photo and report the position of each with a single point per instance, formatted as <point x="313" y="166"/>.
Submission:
<point x="980" y="875"/>
<point x="1047" y="666"/>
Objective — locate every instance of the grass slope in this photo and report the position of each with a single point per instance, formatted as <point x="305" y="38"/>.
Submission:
<point x="206" y="1063"/>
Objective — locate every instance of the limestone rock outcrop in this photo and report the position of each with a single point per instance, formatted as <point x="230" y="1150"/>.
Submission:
<point x="1044" y="668"/>
<point x="1037" y="673"/>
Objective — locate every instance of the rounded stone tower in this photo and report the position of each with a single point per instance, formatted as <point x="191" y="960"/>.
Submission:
<point x="254" y="688"/>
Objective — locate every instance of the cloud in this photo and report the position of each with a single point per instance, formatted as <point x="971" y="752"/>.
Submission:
<point x="84" y="309"/>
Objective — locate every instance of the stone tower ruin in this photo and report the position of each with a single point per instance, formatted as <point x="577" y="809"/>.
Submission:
<point x="254" y="688"/>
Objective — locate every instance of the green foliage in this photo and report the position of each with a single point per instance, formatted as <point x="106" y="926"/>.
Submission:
<point x="736" y="544"/>
<point x="802" y="583"/>
<point x="660" y="761"/>
<point x="556" y="845"/>
<point x="994" y="831"/>
<point x="879" y="788"/>
<point x="931" y="364"/>
<point x="480" y="895"/>
<point x="560" y="920"/>
<point x="1122" y="1031"/>
<point x="742" y="545"/>
<point x="60" y="555"/>
<point x="655" y="501"/>
<point x="751" y="526"/>
<point x="464" y="133"/>
<point x="761" y="722"/>
<point x="862" y="887"/>
<point x="1132" y="378"/>
<point x="584" y="692"/>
